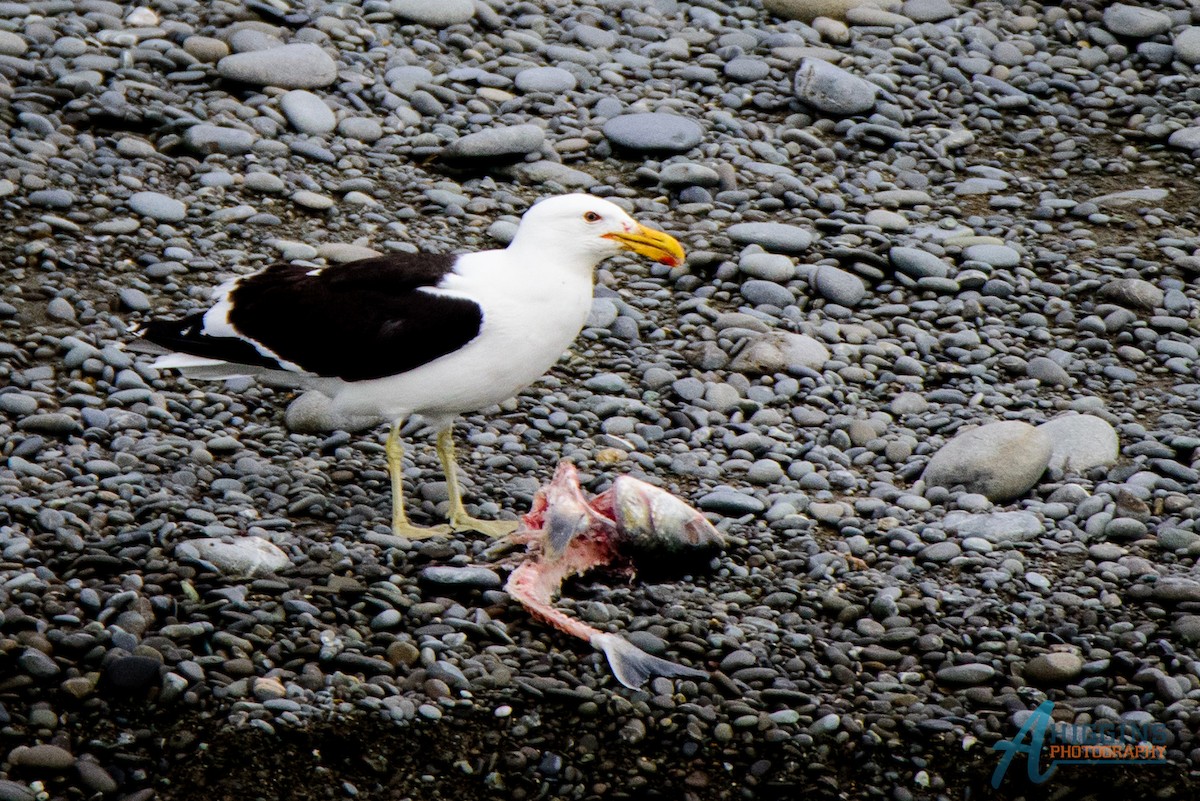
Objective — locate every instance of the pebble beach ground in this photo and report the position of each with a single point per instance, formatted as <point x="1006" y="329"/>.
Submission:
<point x="903" y="221"/>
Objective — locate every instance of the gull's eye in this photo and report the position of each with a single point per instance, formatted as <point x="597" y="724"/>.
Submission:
<point x="591" y="216"/>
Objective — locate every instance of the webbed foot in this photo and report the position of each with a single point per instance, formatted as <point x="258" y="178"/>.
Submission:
<point x="402" y="528"/>
<point x="492" y="528"/>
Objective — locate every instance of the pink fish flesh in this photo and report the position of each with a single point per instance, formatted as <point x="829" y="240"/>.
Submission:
<point x="569" y="535"/>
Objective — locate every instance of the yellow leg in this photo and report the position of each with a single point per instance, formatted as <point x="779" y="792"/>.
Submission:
<point x="459" y="519"/>
<point x="395" y="462"/>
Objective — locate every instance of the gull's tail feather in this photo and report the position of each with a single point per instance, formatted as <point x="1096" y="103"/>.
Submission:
<point x="632" y="666"/>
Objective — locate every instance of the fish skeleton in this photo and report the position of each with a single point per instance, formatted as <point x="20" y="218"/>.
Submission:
<point x="569" y="535"/>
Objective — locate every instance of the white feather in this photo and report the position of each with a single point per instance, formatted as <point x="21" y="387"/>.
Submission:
<point x="183" y="361"/>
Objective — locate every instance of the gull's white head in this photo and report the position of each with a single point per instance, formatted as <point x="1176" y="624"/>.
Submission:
<point x="591" y="228"/>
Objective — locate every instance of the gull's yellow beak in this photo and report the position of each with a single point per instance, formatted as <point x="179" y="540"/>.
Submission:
<point x="663" y="248"/>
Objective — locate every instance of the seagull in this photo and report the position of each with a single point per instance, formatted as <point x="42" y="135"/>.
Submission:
<point x="421" y="334"/>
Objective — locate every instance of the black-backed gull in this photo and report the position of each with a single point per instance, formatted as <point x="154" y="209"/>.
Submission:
<point x="418" y="334"/>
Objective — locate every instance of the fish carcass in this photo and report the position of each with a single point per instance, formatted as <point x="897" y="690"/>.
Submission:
<point x="568" y="535"/>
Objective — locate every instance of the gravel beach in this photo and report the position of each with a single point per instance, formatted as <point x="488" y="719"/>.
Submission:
<point x="932" y="367"/>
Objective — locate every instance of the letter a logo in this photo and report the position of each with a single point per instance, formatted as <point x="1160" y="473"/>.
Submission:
<point x="1035" y="729"/>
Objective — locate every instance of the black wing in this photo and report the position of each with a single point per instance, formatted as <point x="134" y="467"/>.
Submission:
<point x="357" y="321"/>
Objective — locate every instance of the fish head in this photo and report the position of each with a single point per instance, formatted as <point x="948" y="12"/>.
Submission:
<point x="652" y="520"/>
<point x="560" y="512"/>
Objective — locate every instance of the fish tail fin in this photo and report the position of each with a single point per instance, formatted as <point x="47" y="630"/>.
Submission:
<point x="632" y="666"/>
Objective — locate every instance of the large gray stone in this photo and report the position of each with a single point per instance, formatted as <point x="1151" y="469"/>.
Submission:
<point x="929" y="10"/>
<point x="293" y="66"/>
<point x="1187" y="45"/>
<point x="1054" y="668"/>
<point x="507" y="143"/>
<point x="1186" y="138"/>
<point x="438" y="14"/>
<point x="544" y="79"/>
<point x="837" y="285"/>
<point x="1134" y="292"/>
<point x="809" y="10"/>
<point x="314" y="413"/>
<point x="1001" y="461"/>
<point x="767" y="266"/>
<point x="241" y="556"/>
<point x="655" y="132"/>
<point x="1135" y="22"/>
<point x="207" y="138"/>
<point x="1080" y="442"/>
<point x="995" y="527"/>
<point x="833" y="90"/>
<point x="307" y="113"/>
<point x="781" y="352"/>
<point x="775" y="237"/>
<point x="918" y="263"/>
<point x="158" y="206"/>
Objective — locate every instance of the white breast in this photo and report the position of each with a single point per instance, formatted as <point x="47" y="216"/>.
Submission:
<point x="529" y="320"/>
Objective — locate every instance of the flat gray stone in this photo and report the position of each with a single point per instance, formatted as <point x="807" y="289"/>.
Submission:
<point x="50" y="423"/>
<point x="206" y="138"/>
<point x="995" y="255"/>
<point x="441" y="14"/>
<point x="688" y="174"/>
<point x="767" y="266"/>
<point x="656" y="132"/>
<point x="1176" y="590"/>
<point x="966" y="674"/>
<point x="833" y="90"/>
<point x="292" y="66"/>
<point x="158" y="206"/>
<point x="48" y="757"/>
<point x="544" y="79"/>
<point x="731" y="502"/>
<point x="928" y="10"/>
<point x="940" y="551"/>
<point x="469" y="577"/>
<point x="363" y="129"/>
<point x="918" y="263"/>
<point x="507" y="143"/>
<point x="52" y="198"/>
<point x="1001" y="460"/>
<point x="994" y="527"/>
<point x="1135" y="22"/>
<point x="759" y="292"/>
<point x="809" y="10"/>
<point x="747" y="70"/>
<point x="1131" y="198"/>
<point x="774" y="237"/>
